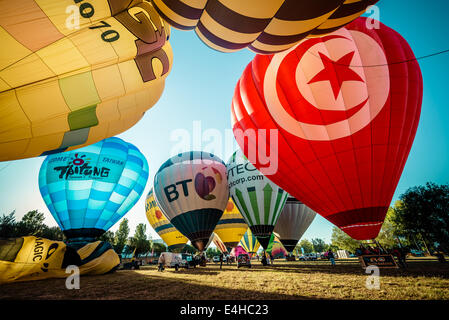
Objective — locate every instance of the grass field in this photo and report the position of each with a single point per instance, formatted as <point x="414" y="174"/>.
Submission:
<point x="424" y="279"/>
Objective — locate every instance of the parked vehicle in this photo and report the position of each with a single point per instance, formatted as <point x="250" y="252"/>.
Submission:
<point x="216" y="259"/>
<point x="308" y="257"/>
<point x="178" y="260"/>
<point x="243" y="260"/>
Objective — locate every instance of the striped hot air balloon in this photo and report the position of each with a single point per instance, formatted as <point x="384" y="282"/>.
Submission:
<point x="174" y="239"/>
<point x="259" y="200"/>
<point x="75" y="72"/>
<point x="231" y="226"/>
<point x="192" y="191"/>
<point x="89" y="189"/>
<point x="249" y="242"/>
<point x="262" y="26"/>
<point x="293" y="222"/>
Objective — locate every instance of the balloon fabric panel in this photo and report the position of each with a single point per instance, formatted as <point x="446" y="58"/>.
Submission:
<point x="343" y="141"/>
<point x="90" y="189"/>
<point x="65" y="86"/>
<point x="268" y="27"/>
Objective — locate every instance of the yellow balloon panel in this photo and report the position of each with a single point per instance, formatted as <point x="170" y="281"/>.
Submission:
<point x="70" y="79"/>
<point x="169" y="234"/>
<point x="231" y="227"/>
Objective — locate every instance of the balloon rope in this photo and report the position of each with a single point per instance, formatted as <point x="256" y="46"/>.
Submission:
<point x="389" y="64"/>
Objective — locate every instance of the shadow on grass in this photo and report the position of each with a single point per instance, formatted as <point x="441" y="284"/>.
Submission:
<point x="134" y="285"/>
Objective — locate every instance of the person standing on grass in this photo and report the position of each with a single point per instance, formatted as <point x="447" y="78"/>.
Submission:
<point x="331" y="257"/>
<point x="221" y="260"/>
<point x="161" y="262"/>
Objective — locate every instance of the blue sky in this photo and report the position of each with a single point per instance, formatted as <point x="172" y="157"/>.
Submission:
<point x="199" y="91"/>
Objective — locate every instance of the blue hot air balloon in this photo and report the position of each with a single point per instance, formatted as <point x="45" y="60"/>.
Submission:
<point x="88" y="190"/>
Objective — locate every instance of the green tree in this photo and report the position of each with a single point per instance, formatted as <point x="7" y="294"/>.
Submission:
<point x="341" y="240"/>
<point x="159" y="247"/>
<point x="423" y="213"/>
<point x="32" y="223"/>
<point x="108" y="236"/>
<point x="121" y="236"/>
<point x="189" y="249"/>
<point x="319" y="245"/>
<point x="306" y="245"/>
<point x="8" y="225"/>
<point x="139" y="240"/>
<point x="52" y="233"/>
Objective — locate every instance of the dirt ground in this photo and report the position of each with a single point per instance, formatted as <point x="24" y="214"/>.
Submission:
<point x="424" y="279"/>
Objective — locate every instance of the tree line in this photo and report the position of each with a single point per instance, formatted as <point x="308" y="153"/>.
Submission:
<point x="418" y="220"/>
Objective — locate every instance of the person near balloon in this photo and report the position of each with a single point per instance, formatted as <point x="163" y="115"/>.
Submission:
<point x="161" y="262"/>
<point x="331" y="257"/>
<point x="271" y="258"/>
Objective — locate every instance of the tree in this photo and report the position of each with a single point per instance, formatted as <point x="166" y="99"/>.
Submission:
<point x="159" y="247"/>
<point x="32" y="223"/>
<point x="423" y="213"/>
<point x="341" y="240"/>
<point x="319" y="245"/>
<point x="52" y="233"/>
<point x="189" y="249"/>
<point x="121" y="236"/>
<point x="108" y="236"/>
<point x="8" y="225"/>
<point x="306" y="245"/>
<point x="139" y="240"/>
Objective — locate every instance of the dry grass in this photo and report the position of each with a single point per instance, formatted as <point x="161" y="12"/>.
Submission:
<point x="425" y="279"/>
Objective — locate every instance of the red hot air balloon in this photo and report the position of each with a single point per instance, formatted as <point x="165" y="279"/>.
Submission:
<point x="346" y="107"/>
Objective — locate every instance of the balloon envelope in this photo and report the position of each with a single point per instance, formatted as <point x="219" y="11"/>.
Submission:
<point x="345" y="108"/>
<point x="262" y="26"/>
<point x="249" y="242"/>
<point x="294" y="220"/>
<point x="192" y="191"/>
<point x="259" y="200"/>
<point x="88" y="190"/>
<point x="231" y="227"/>
<point x="67" y="83"/>
<point x="275" y="248"/>
<point x="174" y="239"/>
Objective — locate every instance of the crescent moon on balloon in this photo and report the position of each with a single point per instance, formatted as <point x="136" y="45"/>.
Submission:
<point x="356" y="119"/>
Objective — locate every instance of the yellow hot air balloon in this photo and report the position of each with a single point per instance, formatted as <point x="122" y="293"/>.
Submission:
<point x="174" y="239"/>
<point x="231" y="227"/>
<point x="249" y="242"/>
<point x="74" y="72"/>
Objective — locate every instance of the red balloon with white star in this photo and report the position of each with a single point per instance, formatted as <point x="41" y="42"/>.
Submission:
<point x="342" y="110"/>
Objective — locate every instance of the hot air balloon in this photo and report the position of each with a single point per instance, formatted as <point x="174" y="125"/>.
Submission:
<point x="192" y="191"/>
<point x="345" y="108"/>
<point x="259" y="200"/>
<point x="262" y="26"/>
<point x="231" y="227"/>
<point x="293" y="222"/>
<point x="75" y="72"/>
<point x="174" y="239"/>
<point x="88" y="190"/>
<point x="275" y="248"/>
<point x="216" y="240"/>
<point x="249" y="242"/>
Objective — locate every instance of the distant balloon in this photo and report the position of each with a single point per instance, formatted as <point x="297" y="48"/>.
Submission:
<point x="345" y="108"/>
<point x="249" y="242"/>
<point x="174" y="239"/>
<point x="259" y="200"/>
<point x="231" y="227"/>
<point x="75" y="72"/>
<point x="88" y="190"/>
<point x="275" y="247"/>
<point x="262" y="26"/>
<point x="293" y="222"/>
<point x="192" y="191"/>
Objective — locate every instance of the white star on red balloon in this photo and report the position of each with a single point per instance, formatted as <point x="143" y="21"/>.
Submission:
<point x="336" y="72"/>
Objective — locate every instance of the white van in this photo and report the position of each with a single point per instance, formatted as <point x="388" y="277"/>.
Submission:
<point x="172" y="260"/>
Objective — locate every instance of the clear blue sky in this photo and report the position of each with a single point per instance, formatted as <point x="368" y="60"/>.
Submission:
<point x="200" y="88"/>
